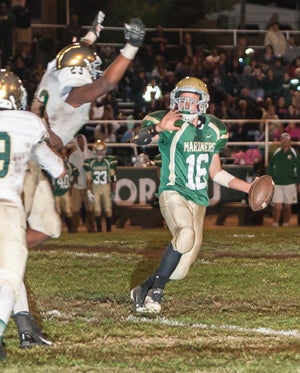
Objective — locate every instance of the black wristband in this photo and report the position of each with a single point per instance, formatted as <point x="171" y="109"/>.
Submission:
<point x="153" y="131"/>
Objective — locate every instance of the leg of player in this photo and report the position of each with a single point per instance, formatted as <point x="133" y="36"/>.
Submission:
<point x="185" y="222"/>
<point x="149" y="295"/>
<point x="34" y="238"/>
<point x="29" y="333"/>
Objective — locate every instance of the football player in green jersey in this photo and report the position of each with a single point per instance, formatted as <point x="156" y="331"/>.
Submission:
<point x="101" y="183"/>
<point x="61" y="188"/>
<point x="189" y="141"/>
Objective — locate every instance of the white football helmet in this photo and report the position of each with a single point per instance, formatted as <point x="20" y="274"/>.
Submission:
<point x="192" y="85"/>
<point x="79" y="54"/>
<point x="13" y="95"/>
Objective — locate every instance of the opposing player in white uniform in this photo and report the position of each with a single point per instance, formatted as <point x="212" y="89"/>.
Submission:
<point x="71" y="83"/>
<point x="64" y="96"/>
<point x="21" y="138"/>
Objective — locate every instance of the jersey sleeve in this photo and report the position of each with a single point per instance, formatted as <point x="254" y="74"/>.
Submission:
<point x="220" y="131"/>
<point x="152" y="119"/>
<point x="48" y="160"/>
<point x="87" y="164"/>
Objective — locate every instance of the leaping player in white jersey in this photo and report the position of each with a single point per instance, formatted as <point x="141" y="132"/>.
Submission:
<point x="64" y="96"/>
<point x="21" y="138"/>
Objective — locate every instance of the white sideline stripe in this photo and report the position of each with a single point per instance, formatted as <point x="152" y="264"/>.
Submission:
<point x="172" y="322"/>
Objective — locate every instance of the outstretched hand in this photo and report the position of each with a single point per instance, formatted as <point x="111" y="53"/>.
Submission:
<point x="97" y="23"/>
<point x="135" y="32"/>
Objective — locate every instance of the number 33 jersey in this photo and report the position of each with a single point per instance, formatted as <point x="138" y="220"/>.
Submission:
<point x="187" y="154"/>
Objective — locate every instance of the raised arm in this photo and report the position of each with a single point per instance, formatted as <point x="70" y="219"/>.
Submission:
<point x="134" y="34"/>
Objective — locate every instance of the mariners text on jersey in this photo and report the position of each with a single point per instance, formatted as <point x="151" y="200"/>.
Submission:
<point x="199" y="146"/>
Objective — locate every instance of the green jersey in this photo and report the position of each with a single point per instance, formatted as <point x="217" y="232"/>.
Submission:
<point x="61" y="185"/>
<point x="187" y="154"/>
<point x="101" y="170"/>
<point x="284" y="167"/>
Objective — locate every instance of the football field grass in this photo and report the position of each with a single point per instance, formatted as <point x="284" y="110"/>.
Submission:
<point x="237" y="311"/>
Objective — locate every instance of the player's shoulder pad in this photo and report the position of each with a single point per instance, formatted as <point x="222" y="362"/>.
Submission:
<point x="213" y="119"/>
<point x="215" y="123"/>
<point x="153" y="118"/>
<point x="111" y="158"/>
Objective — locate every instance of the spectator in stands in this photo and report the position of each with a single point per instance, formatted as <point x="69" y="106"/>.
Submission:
<point x="293" y="66"/>
<point x="282" y="108"/>
<point x="183" y="67"/>
<point x="106" y="131"/>
<point x="107" y="55"/>
<point x="279" y="68"/>
<point x="292" y="51"/>
<point x="97" y="109"/>
<point x="213" y="58"/>
<point x="131" y="132"/>
<point x="268" y="112"/>
<point x="73" y="32"/>
<point x="148" y="60"/>
<point x="138" y="85"/>
<point x="286" y="88"/>
<point x="187" y="47"/>
<point x="152" y="96"/>
<point x="247" y="110"/>
<point x="284" y="167"/>
<point x="167" y="85"/>
<point x="238" y="51"/>
<point x="293" y="128"/>
<point x="159" y="41"/>
<point x="275" y="38"/>
<point x="270" y="84"/>
<point x="7" y="22"/>
<point x="160" y="70"/>
<point x="124" y="85"/>
<point x="251" y="84"/>
<point x="266" y="58"/>
<point x="23" y="31"/>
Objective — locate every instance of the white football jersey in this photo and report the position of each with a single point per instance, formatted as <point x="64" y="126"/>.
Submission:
<point x="21" y="137"/>
<point x="64" y="119"/>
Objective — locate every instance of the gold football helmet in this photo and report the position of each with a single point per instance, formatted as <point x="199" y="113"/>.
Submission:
<point x="99" y="148"/>
<point x="13" y="95"/>
<point x="79" y="54"/>
<point x="183" y="104"/>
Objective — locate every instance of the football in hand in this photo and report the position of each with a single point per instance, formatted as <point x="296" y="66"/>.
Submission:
<point x="261" y="193"/>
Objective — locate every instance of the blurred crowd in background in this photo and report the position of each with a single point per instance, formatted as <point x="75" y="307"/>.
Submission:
<point x="244" y="83"/>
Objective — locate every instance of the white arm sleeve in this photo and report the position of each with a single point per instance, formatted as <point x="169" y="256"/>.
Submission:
<point x="48" y="160"/>
<point x="223" y="178"/>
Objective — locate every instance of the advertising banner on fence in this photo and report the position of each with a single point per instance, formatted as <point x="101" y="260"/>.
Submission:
<point x="138" y="185"/>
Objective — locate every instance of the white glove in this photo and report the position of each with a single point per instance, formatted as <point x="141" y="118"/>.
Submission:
<point x="90" y="196"/>
<point x="97" y="23"/>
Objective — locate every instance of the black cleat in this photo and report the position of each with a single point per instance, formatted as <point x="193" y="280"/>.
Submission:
<point x="138" y="295"/>
<point x="30" y="334"/>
